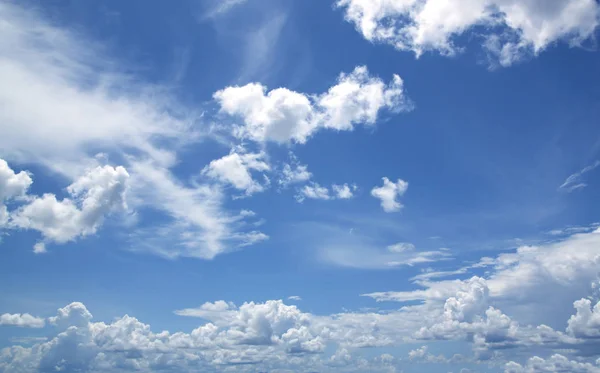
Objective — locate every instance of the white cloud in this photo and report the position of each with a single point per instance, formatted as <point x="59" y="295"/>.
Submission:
<point x="574" y="182"/>
<point x="12" y="185"/>
<point x="313" y="191"/>
<point x="79" y="90"/>
<point x="316" y="191"/>
<point x="22" y="320"/>
<point x="93" y="196"/>
<point x="586" y="322"/>
<point x="389" y="193"/>
<point x="273" y="335"/>
<point x="282" y="115"/>
<point x="295" y="297"/>
<point x="555" y="363"/>
<point x="294" y="173"/>
<point x="511" y="29"/>
<point x="552" y="276"/>
<point x="358" y="252"/>
<point x="236" y="168"/>
<point x="343" y="191"/>
<point x="419" y="353"/>
<point x="199" y="227"/>
<point x="401" y="247"/>
<point x="39" y="248"/>
<point x="76" y="91"/>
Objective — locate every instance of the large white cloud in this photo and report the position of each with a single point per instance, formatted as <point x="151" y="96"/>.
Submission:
<point x="282" y="115"/>
<point x="510" y="28"/>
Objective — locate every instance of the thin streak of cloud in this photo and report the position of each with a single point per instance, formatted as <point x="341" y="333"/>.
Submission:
<point x="574" y="182"/>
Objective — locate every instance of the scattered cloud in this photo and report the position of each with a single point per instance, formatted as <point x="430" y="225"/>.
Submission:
<point x="294" y="172"/>
<point x="389" y="193"/>
<point x="510" y="30"/>
<point x="343" y="191"/>
<point x="294" y="298"/>
<point x="313" y="191"/>
<point x="316" y="191"/>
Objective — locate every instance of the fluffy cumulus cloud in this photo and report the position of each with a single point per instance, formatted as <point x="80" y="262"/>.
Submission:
<point x="511" y="29"/>
<point x="283" y="116"/>
<point x="273" y="335"/>
<point x="22" y="320"/>
<point x="96" y="194"/>
<point x="555" y="363"/>
<point x="389" y="192"/>
<point x="93" y="196"/>
<point x="236" y="169"/>
<point x="12" y="185"/>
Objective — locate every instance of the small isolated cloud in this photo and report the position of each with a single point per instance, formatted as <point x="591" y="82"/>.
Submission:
<point x="389" y="193"/>
<point x="574" y="181"/>
<point x="356" y="251"/>
<point x="343" y="191"/>
<point x="316" y="191"/>
<point x="295" y="297"/>
<point x="401" y="247"/>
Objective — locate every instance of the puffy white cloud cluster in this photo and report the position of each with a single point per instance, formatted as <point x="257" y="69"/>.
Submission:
<point x="94" y="195"/>
<point x="555" y="363"/>
<point x="389" y="193"/>
<point x="12" y="185"/>
<point x="273" y="335"/>
<point x="21" y="320"/>
<point x="271" y="323"/>
<point x="283" y="116"/>
<point x="511" y="29"/>
<point x="586" y="322"/>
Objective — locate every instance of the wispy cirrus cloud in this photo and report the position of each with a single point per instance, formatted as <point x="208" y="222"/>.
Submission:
<point x="89" y="104"/>
<point x="575" y="181"/>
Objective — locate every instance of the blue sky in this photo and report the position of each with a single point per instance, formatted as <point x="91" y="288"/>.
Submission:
<point x="299" y="186"/>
